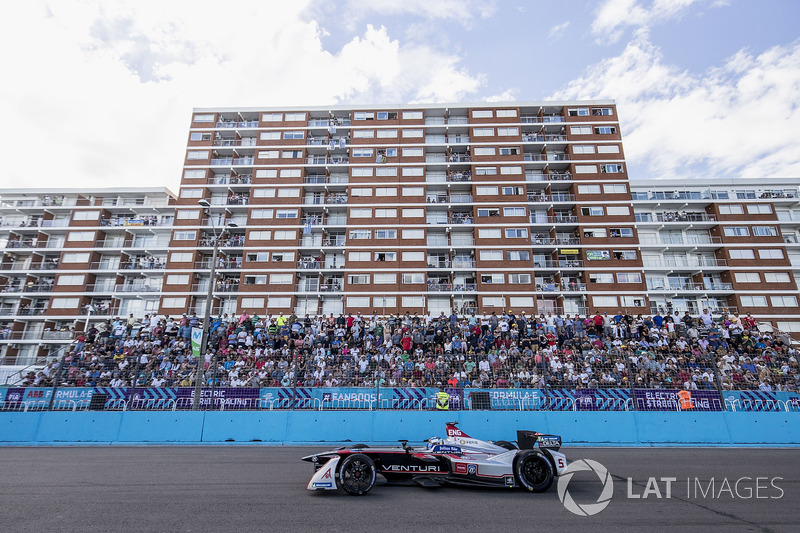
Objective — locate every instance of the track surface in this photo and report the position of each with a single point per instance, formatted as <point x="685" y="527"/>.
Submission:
<point x="262" y="488"/>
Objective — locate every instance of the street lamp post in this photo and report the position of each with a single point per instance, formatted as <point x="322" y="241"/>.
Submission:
<point x="198" y="381"/>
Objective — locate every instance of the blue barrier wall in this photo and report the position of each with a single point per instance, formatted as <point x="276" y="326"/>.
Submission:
<point x="612" y="428"/>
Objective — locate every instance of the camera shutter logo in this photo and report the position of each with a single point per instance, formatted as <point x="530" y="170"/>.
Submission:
<point x="587" y="509"/>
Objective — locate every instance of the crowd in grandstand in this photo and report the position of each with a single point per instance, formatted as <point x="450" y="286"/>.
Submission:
<point x="492" y="351"/>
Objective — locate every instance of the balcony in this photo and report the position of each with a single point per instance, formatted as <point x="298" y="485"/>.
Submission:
<point x="436" y="286"/>
<point x="136" y="288"/>
<point x="552" y="176"/>
<point x="308" y="286"/>
<point x="458" y="139"/>
<point x="459" y="176"/>
<point x="557" y="219"/>
<point x="331" y="286"/>
<point x="545" y="119"/>
<point x="568" y="241"/>
<point x="436" y="199"/>
<point x="231" y="180"/>
<point x="458" y="158"/>
<point x="465" y="287"/>
<point x="21" y="244"/>
<point x="337" y="241"/>
<point x="678" y="263"/>
<point x="463" y="263"/>
<point x="555" y="197"/>
<point x="336" y="199"/>
<point x="462" y="218"/>
<point x="573" y="287"/>
<point x="310" y="263"/>
<point x="229" y="124"/>
<point x="539" y="240"/>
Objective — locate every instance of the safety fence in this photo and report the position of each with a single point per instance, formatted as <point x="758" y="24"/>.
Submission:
<point x="386" y="398"/>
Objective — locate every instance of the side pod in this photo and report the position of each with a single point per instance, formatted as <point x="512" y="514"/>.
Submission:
<point x="325" y="477"/>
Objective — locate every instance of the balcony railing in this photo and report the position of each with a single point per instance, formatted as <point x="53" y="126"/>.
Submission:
<point x="568" y="241"/>
<point x="338" y="199"/>
<point x="460" y="176"/>
<point x="552" y="176"/>
<point x="556" y="197"/>
<point x="538" y="240"/>
<point x="557" y="219"/>
<point x="546" y="119"/>
<point x="671" y="263"/>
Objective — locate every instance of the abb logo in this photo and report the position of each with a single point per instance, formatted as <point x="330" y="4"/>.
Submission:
<point x="327" y="474"/>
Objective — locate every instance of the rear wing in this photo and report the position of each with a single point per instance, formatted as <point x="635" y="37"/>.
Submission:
<point x="529" y="439"/>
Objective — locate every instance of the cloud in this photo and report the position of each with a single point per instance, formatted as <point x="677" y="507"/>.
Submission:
<point x="557" y="30"/>
<point x="613" y="16"/>
<point x="352" y="12"/>
<point x="738" y="119"/>
<point x="111" y="92"/>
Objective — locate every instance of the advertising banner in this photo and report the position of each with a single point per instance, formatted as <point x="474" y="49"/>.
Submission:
<point x="668" y="400"/>
<point x="761" y="401"/>
<point x="197" y="341"/>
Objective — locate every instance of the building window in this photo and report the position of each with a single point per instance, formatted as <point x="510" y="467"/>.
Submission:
<point x="629" y="277"/>
<point x="488" y="212"/>
<point x="199" y="136"/>
<point x="510" y="170"/>
<point x="412" y="115"/>
<point x="595" y="211"/>
<point x="579" y="112"/>
<point x="413" y="256"/>
<point x="270" y="135"/>
<point x="485" y="171"/>
<point x="286" y="213"/>
<point x="736" y="231"/>
<point x="483" y="132"/>
<point x="608" y="149"/>
<point x="514" y="211"/>
<point x="491" y="255"/>
<point x="489" y="233"/>
<point x="585" y="169"/>
<point x="264" y="192"/>
<point x="387" y="134"/>
<point x="742" y="254"/>
<point x="588" y="189"/>
<point x="267" y="172"/>
<point x="610" y="168"/>
<point x="387" y="115"/>
<point x="507" y="132"/>
<point x="492" y="278"/>
<point x="509" y="151"/>
<point x="770" y="253"/>
<point x="360" y="191"/>
<point x="602" y="111"/>
<point x="413" y="171"/>
<point x="385" y="256"/>
<point x="184" y="235"/>
<point x="620" y="232"/>
<point x="292" y="154"/>
<point x="413" y="278"/>
<point x="253" y="303"/>
<point x="289" y="193"/>
<point x="754" y="301"/>
<point x="177" y="279"/>
<point x="174" y="303"/>
<point x="583" y="149"/>
<point x="295" y="117"/>
<point x="518" y="255"/>
<point x="362" y="172"/>
<point x="385" y="234"/>
<point x="747" y="277"/>
<point x="284" y="235"/>
<point x="580" y="130"/>
<point x="197" y="154"/>
<point x="71" y="280"/>
<point x="363" y="115"/>
<point x="386" y="171"/>
<point x="361" y="213"/>
<point x="181" y="257"/>
<point x="783" y="301"/>
<point x="261" y="213"/>
<point x="776" y="277"/>
<point x="484" y="150"/>
<point x="272" y="117"/>
<point x="605" y="130"/>
<point x="506" y="113"/>
<point x="194" y="174"/>
<point x="731" y="209"/>
<point x="280" y="279"/>
<point x="601" y="277"/>
<point x="358" y="279"/>
<point x="411" y="133"/>
<point x="516" y="233"/>
<point x="203" y="118"/>
<point x="595" y="232"/>
<point x="413" y="213"/>
<point x="483" y="190"/>
<point x="362" y="152"/>
<point x="618" y="210"/>
<point x="279" y="302"/>
<point x="604" y="301"/>
<point x="511" y="191"/>
<point x="624" y="255"/>
<point x="413" y="191"/>
<point x="611" y="188"/>
<point x="85" y="215"/>
<point x="765" y="231"/>
<point x="293" y="135"/>
<point x="268" y="154"/>
<point x="80" y="236"/>
<point x="413" y="234"/>
<point x="363" y="134"/>
<point x="413" y="152"/>
<point x="385" y="279"/>
<point x="482" y="113"/>
<point x="519" y="279"/>
<point x="360" y="234"/>
<point x="386" y="213"/>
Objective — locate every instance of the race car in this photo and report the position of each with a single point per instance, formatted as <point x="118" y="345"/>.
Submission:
<point x="530" y="463"/>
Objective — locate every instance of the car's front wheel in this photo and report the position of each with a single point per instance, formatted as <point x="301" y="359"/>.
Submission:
<point x="357" y="474"/>
<point x="533" y="471"/>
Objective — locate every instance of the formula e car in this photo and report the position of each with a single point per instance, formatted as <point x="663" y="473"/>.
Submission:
<point x="530" y="463"/>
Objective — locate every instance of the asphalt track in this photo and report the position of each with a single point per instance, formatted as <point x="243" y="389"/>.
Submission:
<point x="262" y="488"/>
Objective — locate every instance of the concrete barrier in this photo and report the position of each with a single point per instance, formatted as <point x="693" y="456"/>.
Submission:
<point x="316" y="427"/>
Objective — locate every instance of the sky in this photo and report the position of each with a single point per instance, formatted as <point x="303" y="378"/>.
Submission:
<point x="100" y="93"/>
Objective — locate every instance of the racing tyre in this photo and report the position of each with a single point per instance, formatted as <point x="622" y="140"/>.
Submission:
<point x="357" y="474"/>
<point x="533" y="471"/>
<point x="507" y="445"/>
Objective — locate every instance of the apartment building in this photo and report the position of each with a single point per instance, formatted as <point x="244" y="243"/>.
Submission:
<point x="421" y="209"/>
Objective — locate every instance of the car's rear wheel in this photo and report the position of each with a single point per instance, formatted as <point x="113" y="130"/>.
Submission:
<point x="357" y="474"/>
<point x="533" y="471"/>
